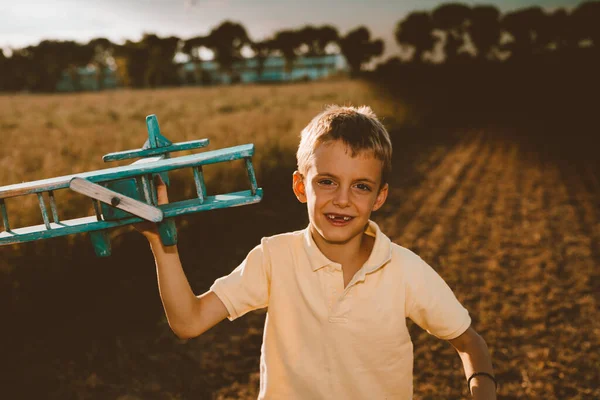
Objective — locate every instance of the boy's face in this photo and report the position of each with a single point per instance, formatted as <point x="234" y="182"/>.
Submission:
<point x="341" y="191"/>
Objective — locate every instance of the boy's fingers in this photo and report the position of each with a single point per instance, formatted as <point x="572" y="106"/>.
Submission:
<point x="161" y="190"/>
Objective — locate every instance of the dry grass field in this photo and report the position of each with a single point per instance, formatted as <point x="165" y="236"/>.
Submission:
<point x="51" y="135"/>
<point x="514" y="232"/>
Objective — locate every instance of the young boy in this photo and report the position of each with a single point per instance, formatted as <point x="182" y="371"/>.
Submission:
<point x="338" y="292"/>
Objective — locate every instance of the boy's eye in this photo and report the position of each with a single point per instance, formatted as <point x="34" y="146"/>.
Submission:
<point x="325" y="182"/>
<point x="363" y="187"/>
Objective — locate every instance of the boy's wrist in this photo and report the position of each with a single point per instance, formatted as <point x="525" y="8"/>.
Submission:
<point x="156" y="244"/>
<point x="482" y="386"/>
<point x="153" y="239"/>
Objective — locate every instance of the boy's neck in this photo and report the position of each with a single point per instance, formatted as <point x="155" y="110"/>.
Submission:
<point x="355" y="251"/>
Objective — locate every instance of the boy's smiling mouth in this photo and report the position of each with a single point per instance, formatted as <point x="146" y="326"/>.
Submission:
<point x="338" y="219"/>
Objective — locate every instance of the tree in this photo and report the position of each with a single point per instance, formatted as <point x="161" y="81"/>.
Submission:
<point x="262" y="50"/>
<point x="132" y="61"/>
<point x="4" y="71"/>
<point x="583" y="22"/>
<point x="288" y="42"/>
<point x="103" y="51"/>
<point x="192" y="47"/>
<point x="46" y="62"/>
<point x="148" y="62"/>
<point x="317" y="39"/>
<point x="19" y="72"/>
<point x="416" y="31"/>
<point x="484" y="30"/>
<point x="553" y="33"/>
<point x="524" y="26"/>
<point x="358" y="48"/>
<point x="227" y="41"/>
<point x="452" y="19"/>
<point x="161" y="65"/>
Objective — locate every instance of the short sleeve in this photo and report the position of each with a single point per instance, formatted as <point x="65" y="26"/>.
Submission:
<point x="432" y="305"/>
<point x="246" y="288"/>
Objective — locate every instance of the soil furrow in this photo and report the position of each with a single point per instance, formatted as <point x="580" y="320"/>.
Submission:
<point x="433" y="160"/>
<point x="531" y="254"/>
<point x="432" y="240"/>
<point x="555" y="272"/>
<point x="403" y="209"/>
<point x="492" y="265"/>
<point x="592" y="175"/>
<point x="404" y="183"/>
<point x="446" y="220"/>
<point x="466" y="246"/>
<point x="587" y="208"/>
<point x="437" y="193"/>
<point x="573" y="306"/>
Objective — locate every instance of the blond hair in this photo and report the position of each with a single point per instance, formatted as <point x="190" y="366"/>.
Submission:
<point x="357" y="127"/>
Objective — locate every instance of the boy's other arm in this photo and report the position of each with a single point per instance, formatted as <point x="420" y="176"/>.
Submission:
<point x="475" y="357"/>
<point x="188" y="315"/>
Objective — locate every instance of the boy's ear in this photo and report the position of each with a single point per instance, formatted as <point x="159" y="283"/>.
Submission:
<point x="381" y="197"/>
<point x="298" y="187"/>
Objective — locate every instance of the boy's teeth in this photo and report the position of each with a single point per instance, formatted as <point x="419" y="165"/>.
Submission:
<point x="345" y="218"/>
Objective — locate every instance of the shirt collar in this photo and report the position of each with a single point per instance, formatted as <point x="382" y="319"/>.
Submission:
<point x="382" y="249"/>
<point x="380" y="255"/>
<point x="316" y="258"/>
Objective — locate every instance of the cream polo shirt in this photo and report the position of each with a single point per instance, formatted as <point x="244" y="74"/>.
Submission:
<point x="324" y="341"/>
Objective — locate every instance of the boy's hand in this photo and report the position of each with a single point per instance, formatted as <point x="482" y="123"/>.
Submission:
<point x="147" y="228"/>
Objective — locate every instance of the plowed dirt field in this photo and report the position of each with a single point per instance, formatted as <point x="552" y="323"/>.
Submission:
<point x="516" y="234"/>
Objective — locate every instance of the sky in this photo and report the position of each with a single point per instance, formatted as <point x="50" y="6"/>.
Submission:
<point x="27" y="22"/>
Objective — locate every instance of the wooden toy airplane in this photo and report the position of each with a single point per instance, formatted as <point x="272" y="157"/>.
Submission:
<point x="127" y="195"/>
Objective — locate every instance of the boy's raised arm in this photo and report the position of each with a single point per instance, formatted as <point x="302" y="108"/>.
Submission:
<point x="476" y="359"/>
<point x="188" y="315"/>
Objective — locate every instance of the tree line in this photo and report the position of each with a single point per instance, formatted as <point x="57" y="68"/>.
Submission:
<point x="483" y="33"/>
<point x="450" y="33"/>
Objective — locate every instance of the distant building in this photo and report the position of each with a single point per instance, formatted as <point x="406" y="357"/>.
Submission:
<point x="273" y="70"/>
<point x="88" y="79"/>
<point x="208" y="72"/>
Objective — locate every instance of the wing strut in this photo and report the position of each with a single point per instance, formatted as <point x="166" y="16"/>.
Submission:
<point x="126" y="203"/>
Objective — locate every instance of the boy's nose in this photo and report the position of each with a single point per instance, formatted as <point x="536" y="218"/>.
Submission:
<point x="341" y="198"/>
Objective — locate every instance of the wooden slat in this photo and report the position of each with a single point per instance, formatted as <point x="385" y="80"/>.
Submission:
<point x="53" y="206"/>
<point x="35" y="232"/>
<point x="129" y="171"/>
<point x="146" y="188"/>
<point x="199" y="181"/>
<point x="115" y="199"/>
<point x="211" y="203"/>
<point x="148" y="160"/>
<point x="90" y="224"/>
<point x="153" y="193"/>
<point x="97" y="209"/>
<point x="251" y="175"/>
<point x="43" y="210"/>
<point x="4" y="215"/>
<point x="124" y="155"/>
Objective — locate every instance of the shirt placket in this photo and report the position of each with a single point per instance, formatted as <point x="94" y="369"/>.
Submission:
<point x="337" y="295"/>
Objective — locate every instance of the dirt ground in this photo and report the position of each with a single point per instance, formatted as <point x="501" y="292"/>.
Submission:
<point x="516" y="234"/>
